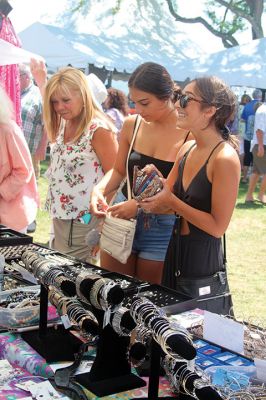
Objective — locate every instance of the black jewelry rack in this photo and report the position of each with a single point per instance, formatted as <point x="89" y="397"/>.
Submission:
<point x="154" y="374"/>
<point x="9" y="237"/>
<point x="169" y="300"/>
<point x="55" y="343"/>
<point x="111" y="371"/>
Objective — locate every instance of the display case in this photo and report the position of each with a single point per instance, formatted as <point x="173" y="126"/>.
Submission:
<point x="9" y="237"/>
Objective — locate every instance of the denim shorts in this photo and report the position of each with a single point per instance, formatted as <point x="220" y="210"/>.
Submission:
<point x="153" y="233"/>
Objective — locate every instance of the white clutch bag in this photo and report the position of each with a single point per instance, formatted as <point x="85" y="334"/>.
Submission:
<point x="117" y="237"/>
<point x="117" y="234"/>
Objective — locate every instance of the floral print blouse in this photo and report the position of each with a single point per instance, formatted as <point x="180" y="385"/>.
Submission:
<point x="74" y="170"/>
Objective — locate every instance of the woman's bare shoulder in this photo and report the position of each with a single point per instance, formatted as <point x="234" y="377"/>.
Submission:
<point x="226" y="159"/>
<point x="127" y="128"/>
<point x="184" y="148"/>
<point x="129" y="121"/>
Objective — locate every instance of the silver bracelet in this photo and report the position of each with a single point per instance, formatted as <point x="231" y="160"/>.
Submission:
<point x="103" y="296"/>
<point x="95" y="290"/>
<point x="82" y="276"/>
<point x="116" y="322"/>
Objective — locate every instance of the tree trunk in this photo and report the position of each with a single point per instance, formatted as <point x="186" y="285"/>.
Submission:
<point x="256" y="10"/>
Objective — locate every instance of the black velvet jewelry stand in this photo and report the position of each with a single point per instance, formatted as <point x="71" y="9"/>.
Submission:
<point x="53" y="344"/>
<point x="154" y="374"/>
<point x="111" y="371"/>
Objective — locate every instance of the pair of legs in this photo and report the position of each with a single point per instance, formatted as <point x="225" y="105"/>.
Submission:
<point x="145" y="270"/>
<point x="259" y="169"/>
<point x="247" y="161"/>
<point x="253" y="180"/>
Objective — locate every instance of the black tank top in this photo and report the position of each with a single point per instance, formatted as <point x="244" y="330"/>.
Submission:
<point x="199" y="192"/>
<point x="141" y="160"/>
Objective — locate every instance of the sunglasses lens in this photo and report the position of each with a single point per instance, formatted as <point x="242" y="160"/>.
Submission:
<point x="183" y="101"/>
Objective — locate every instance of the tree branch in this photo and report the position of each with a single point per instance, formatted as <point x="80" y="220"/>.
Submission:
<point x="228" y="40"/>
<point x="236" y="10"/>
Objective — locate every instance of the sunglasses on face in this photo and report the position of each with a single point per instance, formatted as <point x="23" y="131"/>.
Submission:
<point x="184" y="99"/>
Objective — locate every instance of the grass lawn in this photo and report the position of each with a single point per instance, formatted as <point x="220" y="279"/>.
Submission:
<point x="246" y="257"/>
<point x="246" y="253"/>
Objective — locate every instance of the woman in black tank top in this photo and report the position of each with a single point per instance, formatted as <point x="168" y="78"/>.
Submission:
<point x="157" y="142"/>
<point x="202" y="190"/>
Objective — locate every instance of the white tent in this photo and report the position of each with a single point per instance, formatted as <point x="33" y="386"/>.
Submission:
<point x="60" y="47"/>
<point x="239" y="66"/>
<point x="243" y="65"/>
<point x="11" y="54"/>
<point x="56" y="51"/>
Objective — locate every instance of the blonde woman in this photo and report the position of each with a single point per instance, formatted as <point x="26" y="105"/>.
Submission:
<point x="83" y="149"/>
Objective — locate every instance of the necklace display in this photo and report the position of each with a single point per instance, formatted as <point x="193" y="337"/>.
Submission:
<point x="19" y="308"/>
<point x="10" y="283"/>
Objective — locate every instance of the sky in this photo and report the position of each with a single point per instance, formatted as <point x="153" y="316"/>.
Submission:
<point x="45" y="11"/>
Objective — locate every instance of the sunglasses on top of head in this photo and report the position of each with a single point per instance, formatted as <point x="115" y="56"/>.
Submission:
<point x="184" y="99"/>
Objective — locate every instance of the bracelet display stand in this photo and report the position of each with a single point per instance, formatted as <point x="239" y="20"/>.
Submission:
<point x="53" y="344"/>
<point x="154" y="374"/>
<point x="111" y="371"/>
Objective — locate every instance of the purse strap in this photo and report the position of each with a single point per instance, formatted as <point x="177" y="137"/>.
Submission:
<point x="224" y="251"/>
<point x="135" y="131"/>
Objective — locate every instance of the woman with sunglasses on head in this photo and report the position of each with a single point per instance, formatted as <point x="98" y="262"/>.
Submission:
<point x="157" y="141"/>
<point x="202" y="190"/>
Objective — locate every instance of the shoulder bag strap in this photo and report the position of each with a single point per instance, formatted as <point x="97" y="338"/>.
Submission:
<point x="135" y="131"/>
<point x="224" y="257"/>
<point x="178" y="218"/>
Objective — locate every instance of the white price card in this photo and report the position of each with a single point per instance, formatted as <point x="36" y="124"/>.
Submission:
<point x="261" y="369"/>
<point x="224" y="332"/>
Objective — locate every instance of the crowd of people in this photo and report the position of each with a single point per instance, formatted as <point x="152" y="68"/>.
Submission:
<point x="196" y="138"/>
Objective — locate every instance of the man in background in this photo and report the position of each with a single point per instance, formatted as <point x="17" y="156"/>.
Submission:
<point x="32" y="124"/>
<point x="259" y="156"/>
<point x="247" y="115"/>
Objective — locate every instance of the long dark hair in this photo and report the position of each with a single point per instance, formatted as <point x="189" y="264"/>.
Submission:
<point x="213" y="91"/>
<point x="152" y="78"/>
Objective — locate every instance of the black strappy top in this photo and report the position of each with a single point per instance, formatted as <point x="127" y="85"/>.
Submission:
<point x="198" y="194"/>
<point x="142" y="160"/>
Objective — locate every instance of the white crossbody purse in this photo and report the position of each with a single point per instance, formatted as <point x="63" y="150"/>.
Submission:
<point x="118" y="234"/>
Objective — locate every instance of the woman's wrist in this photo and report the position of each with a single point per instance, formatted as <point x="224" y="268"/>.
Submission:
<point x="173" y="203"/>
<point x="136" y="205"/>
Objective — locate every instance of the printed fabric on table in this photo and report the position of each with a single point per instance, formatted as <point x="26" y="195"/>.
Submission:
<point x="19" y="353"/>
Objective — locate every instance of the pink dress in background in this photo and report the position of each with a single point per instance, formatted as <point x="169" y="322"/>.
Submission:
<point x="9" y="74"/>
